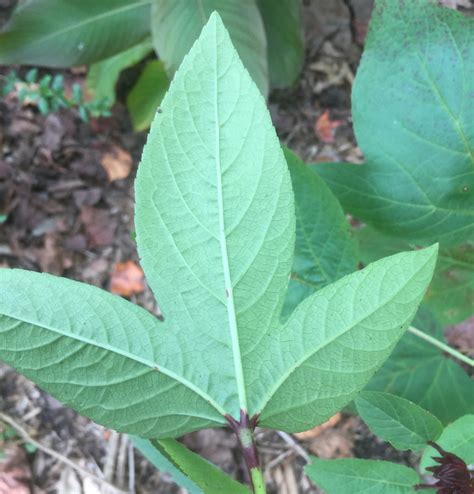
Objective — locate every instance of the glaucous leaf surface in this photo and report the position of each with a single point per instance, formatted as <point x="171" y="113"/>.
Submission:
<point x="357" y="476"/>
<point x="325" y="248"/>
<point x="55" y="33"/>
<point x="457" y="438"/>
<point x="398" y="421"/>
<point x="103" y="76"/>
<point x="414" y="120"/>
<point x="215" y="230"/>
<point x="284" y="30"/>
<point x="422" y="374"/>
<point x="147" y="94"/>
<point x="164" y="465"/>
<point x="176" y="24"/>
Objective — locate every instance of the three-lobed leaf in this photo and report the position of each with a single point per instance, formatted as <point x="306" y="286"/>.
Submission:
<point x="55" y="33"/>
<point x="362" y="476"/>
<point x="215" y="230"/>
<point x="414" y="120"/>
<point x="399" y="421"/>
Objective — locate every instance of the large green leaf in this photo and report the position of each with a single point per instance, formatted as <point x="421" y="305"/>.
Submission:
<point x="325" y="249"/>
<point x="451" y="293"/>
<point x="188" y="469"/>
<point x="421" y="373"/>
<point x="56" y="33"/>
<point x="414" y="120"/>
<point x="354" y="476"/>
<point x="215" y="230"/>
<point x="282" y="20"/>
<point x="457" y="438"/>
<point x="399" y="421"/>
<point x="176" y="24"/>
<point x="147" y="94"/>
<point x="103" y="76"/>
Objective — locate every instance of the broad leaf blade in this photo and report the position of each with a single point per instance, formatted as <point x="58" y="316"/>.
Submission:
<point x="423" y="374"/>
<point x="325" y="249"/>
<point x="337" y="338"/>
<point x="457" y="438"/>
<point x="398" y="421"/>
<point x="414" y="121"/>
<point x="55" y="33"/>
<point x="176" y="24"/>
<point x="285" y="41"/>
<point x="98" y="353"/>
<point x="103" y="76"/>
<point x="147" y="94"/>
<point x="215" y="218"/>
<point x="207" y="476"/>
<point x="362" y="476"/>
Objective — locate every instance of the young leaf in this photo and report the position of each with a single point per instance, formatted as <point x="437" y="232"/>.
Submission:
<point x="103" y="76"/>
<point x="421" y="373"/>
<point x="282" y="21"/>
<point x="397" y="420"/>
<point x="325" y="249"/>
<point x="176" y="24"/>
<point x="356" y="476"/>
<point x="147" y="94"/>
<point x="457" y="438"/>
<point x="183" y="465"/>
<point x="414" y="120"/>
<point x="55" y="33"/>
<point x="215" y="230"/>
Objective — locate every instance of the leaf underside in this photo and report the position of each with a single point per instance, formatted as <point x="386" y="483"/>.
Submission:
<point x="215" y="231"/>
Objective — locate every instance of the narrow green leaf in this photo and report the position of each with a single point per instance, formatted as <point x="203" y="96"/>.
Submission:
<point x="207" y="476"/>
<point x="284" y="30"/>
<point x="457" y="438"/>
<point x="147" y="94"/>
<point x="325" y="249"/>
<point x="356" y="476"/>
<point x="103" y="76"/>
<point x="397" y="420"/>
<point x="418" y="182"/>
<point x="162" y="463"/>
<point x="337" y="338"/>
<point x="421" y="373"/>
<point x="56" y="33"/>
<point x="176" y="24"/>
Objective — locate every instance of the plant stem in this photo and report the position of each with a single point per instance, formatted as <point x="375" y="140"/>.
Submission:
<point x="244" y="430"/>
<point x="446" y="348"/>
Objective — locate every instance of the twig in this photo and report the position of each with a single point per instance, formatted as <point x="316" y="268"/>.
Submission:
<point x="131" y="468"/>
<point x="63" y="459"/>
<point x="298" y="449"/>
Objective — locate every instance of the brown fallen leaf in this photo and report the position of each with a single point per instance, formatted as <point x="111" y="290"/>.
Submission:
<point x="325" y="127"/>
<point x="117" y="163"/>
<point x="99" y="225"/>
<point x="15" y="474"/>
<point x="316" y="431"/>
<point x="127" y="279"/>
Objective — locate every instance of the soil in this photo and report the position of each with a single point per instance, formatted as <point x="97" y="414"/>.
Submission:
<point x="65" y="216"/>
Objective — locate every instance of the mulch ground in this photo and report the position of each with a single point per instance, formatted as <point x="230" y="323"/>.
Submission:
<point x="67" y="214"/>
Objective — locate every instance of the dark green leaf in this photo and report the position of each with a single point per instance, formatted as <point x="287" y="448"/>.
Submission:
<point x="147" y="94"/>
<point x="414" y="120"/>
<point x="56" y="33"/>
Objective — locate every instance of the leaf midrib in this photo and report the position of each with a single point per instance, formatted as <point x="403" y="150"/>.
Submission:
<point x="323" y="345"/>
<point x="90" y="20"/>
<point x="127" y="355"/>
